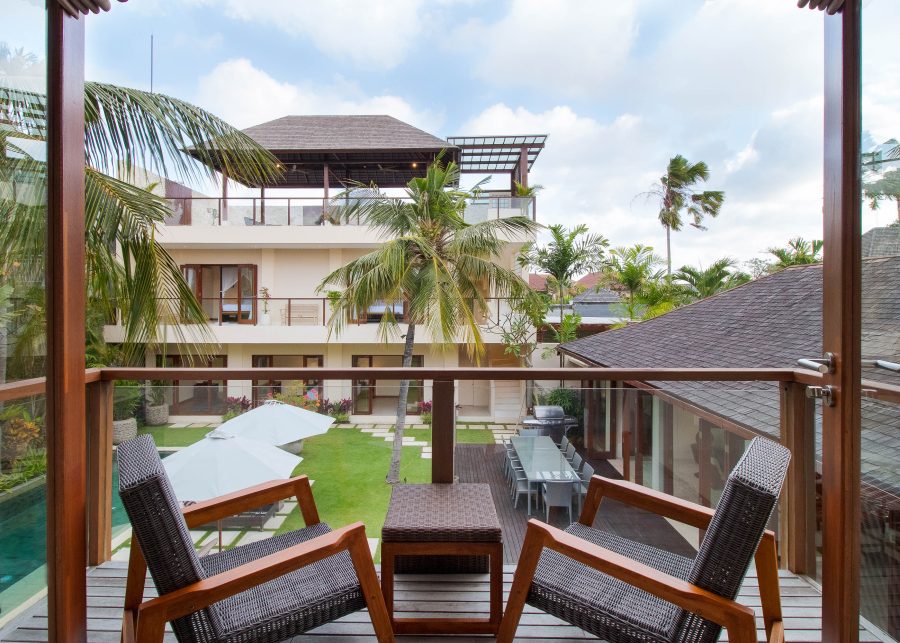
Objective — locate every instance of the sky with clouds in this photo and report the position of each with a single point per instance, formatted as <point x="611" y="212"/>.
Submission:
<point x="620" y="87"/>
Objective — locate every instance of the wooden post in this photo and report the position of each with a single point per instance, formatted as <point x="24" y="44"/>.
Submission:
<point x="100" y="470"/>
<point x="443" y="430"/>
<point x="797" y="509"/>
<point x="325" y="187"/>
<point x="66" y="452"/>
<point x="704" y="453"/>
<point x="667" y="430"/>
<point x="627" y="398"/>
<point x="841" y="319"/>
<point x="262" y="206"/>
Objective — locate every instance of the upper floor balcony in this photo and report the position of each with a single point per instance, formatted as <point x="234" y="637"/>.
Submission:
<point x="300" y="221"/>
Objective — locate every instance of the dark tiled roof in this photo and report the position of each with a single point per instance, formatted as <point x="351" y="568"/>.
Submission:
<point x="309" y="133"/>
<point x="769" y="322"/>
<point x="881" y="242"/>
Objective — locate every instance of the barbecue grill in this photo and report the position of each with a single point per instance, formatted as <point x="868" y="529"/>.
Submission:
<point x="552" y="419"/>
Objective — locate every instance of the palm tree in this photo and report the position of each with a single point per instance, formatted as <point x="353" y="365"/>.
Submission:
<point x="635" y="269"/>
<point x="676" y="195"/>
<point x="799" y="252"/>
<point x="704" y="282"/>
<point x="569" y="254"/>
<point x="525" y="191"/>
<point x="884" y="188"/>
<point x="441" y="267"/>
<point x="127" y="269"/>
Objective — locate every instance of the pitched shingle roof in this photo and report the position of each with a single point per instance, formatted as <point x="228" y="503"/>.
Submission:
<point x="537" y="281"/>
<point x="881" y="242"/>
<point x="344" y="133"/>
<point x="769" y="322"/>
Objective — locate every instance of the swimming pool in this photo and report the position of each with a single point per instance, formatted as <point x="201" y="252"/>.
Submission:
<point x="23" y="540"/>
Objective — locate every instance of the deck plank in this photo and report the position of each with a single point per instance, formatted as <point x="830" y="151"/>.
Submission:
<point x="431" y="594"/>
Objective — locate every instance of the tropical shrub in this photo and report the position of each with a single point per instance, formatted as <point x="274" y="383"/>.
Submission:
<point x="339" y="410"/>
<point x="425" y="409"/>
<point x="19" y="435"/>
<point x="126" y="400"/>
<point x="234" y="406"/>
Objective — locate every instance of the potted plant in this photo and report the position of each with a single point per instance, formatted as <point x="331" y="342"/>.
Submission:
<point x="425" y="412"/>
<point x="265" y="296"/>
<point x="333" y="296"/>
<point x="126" y="400"/>
<point x="156" y="411"/>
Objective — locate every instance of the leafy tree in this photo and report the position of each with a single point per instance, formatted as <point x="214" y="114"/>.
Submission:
<point x="703" y="282"/>
<point x="884" y="188"/>
<point x="677" y="196"/>
<point x="636" y="269"/>
<point x="441" y="266"/>
<point x="569" y="254"/>
<point x="798" y="252"/>
<point x="127" y="270"/>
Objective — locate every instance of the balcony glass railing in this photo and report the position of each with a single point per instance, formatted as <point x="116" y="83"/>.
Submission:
<point x="312" y="211"/>
<point x="315" y="311"/>
<point x="679" y="437"/>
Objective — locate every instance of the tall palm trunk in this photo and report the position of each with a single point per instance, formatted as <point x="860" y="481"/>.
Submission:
<point x="669" y="252"/>
<point x="394" y="472"/>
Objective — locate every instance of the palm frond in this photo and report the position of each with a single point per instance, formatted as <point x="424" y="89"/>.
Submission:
<point x="126" y="127"/>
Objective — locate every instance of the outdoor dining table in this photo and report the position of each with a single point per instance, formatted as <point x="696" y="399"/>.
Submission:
<point x="542" y="461"/>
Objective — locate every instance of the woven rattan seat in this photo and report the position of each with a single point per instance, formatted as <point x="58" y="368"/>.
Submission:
<point x="441" y="513"/>
<point x="285" y="606"/>
<point x="619" y="612"/>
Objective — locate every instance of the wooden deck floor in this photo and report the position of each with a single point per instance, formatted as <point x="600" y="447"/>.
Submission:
<point x="460" y="595"/>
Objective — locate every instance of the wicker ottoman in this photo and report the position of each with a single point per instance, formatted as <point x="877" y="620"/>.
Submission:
<point x="452" y="524"/>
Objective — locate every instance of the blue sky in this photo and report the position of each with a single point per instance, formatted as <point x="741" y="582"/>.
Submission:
<point x="619" y="87"/>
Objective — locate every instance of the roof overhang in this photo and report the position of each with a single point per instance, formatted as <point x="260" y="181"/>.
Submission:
<point x="493" y="154"/>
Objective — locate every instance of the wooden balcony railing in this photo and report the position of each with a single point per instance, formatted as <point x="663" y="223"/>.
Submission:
<point x="796" y="425"/>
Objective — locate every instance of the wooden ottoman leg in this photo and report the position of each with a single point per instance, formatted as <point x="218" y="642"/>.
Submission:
<point x="387" y="576"/>
<point x="496" y="571"/>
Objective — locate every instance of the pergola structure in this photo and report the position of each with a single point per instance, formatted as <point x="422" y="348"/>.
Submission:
<point x="513" y="155"/>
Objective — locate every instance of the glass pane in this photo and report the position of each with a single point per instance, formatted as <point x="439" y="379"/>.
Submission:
<point x="229" y="294"/>
<point x="23" y="154"/>
<point x="880" y="419"/>
<point x="248" y="292"/>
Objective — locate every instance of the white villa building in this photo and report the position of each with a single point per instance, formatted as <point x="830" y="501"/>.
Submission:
<point x="255" y="263"/>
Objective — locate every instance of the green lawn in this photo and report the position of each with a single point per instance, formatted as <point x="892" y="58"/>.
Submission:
<point x="349" y="467"/>
<point x="167" y="436"/>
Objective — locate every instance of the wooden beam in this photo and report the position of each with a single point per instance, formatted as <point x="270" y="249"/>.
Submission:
<point x="66" y="451"/>
<point x="443" y="430"/>
<point x="841" y="313"/>
<point x="469" y="373"/>
<point x="100" y="471"/>
<point x="797" y="508"/>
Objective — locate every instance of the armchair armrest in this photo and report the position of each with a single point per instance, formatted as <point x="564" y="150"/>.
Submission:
<point x="737" y="619"/>
<point x="644" y="498"/>
<point x="155" y="613"/>
<point x="231" y="504"/>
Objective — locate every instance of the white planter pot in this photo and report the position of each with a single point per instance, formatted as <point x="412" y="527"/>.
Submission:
<point x="157" y="415"/>
<point x="264" y="319"/>
<point x="124" y="430"/>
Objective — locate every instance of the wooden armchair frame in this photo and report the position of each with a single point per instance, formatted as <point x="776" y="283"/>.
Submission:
<point x="144" y="621"/>
<point x="738" y="620"/>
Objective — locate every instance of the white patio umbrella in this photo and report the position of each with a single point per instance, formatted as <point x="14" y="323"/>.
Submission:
<point x="223" y="463"/>
<point x="277" y="423"/>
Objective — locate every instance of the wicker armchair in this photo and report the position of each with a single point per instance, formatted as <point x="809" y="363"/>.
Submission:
<point x="621" y="590"/>
<point x="265" y="591"/>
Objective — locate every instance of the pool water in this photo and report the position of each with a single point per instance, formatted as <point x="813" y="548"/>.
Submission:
<point x="23" y="542"/>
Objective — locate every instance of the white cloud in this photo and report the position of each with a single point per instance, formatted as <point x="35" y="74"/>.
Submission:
<point x="375" y="35"/>
<point x="596" y="173"/>
<point x="244" y="95"/>
<point x="566" y="46"/>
